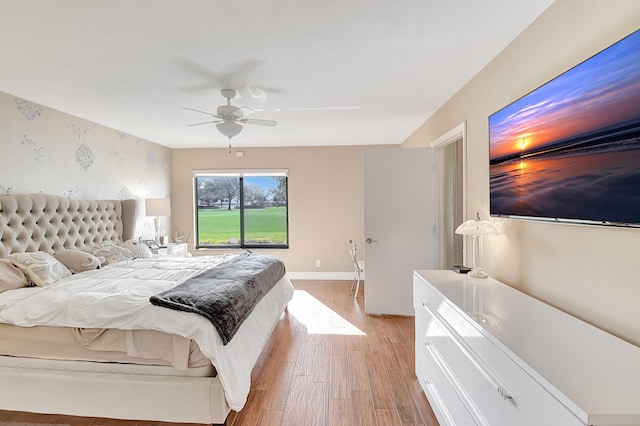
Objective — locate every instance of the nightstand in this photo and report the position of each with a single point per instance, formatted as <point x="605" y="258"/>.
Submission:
<point x="173" y="250"/>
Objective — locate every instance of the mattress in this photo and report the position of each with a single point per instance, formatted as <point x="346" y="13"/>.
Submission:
<point x="143" y="347"/>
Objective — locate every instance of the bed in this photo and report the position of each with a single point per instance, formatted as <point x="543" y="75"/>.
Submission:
<point x="91" y="344"/>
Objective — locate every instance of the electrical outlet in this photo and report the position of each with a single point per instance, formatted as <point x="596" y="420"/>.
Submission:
<point x="318" y="263"/>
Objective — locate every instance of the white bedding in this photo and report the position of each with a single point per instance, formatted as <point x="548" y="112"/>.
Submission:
<point x="118" y="297"/>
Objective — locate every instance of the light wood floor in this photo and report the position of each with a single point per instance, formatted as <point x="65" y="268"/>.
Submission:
<point x="327" y="363"/>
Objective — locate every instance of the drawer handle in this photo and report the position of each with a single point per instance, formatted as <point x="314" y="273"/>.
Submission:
<point x="470" y="353"/>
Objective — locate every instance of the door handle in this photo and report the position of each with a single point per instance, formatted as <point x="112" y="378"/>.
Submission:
<point x="369" y="241"/>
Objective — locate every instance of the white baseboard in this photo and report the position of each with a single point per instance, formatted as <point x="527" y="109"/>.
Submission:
<point x="330" y="276"/>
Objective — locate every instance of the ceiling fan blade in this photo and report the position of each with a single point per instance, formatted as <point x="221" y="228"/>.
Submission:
<point x="259" y="122"/>
<point x="202" y="112"/>
<point x="295" y="109"/>
<point x="329" y="108"/>
<point x="204" y="122"/>
<point x="243" y="111"/>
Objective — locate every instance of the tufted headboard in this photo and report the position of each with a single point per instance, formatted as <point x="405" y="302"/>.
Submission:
<point x="50" y="223"/>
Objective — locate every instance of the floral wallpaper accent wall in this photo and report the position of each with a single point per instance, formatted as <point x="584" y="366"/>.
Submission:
<point x="47" y="151"/>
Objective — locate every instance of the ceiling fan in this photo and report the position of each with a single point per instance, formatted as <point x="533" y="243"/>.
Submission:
<point x="230" y="118"/>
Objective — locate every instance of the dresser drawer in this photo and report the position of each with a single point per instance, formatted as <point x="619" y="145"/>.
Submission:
<point x="445" y="400"/>
<point x="500" y="392"/>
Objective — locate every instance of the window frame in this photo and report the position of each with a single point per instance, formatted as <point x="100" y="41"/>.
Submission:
<point x="240" y="174"/>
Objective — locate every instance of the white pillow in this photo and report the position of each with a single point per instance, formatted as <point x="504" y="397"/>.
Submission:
<point x="78" y="261"/>
<point x="112" y="253"/>
<point x="11" y="276"/>
<point x="138" y="248"/>
<point x="41" y="268"/>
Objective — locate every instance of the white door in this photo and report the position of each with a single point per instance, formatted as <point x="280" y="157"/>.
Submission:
<point x="398" y="226"/>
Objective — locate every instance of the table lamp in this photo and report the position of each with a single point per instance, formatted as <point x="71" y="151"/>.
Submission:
<point x="158" y="207"/>
<point x="477" y="229"/>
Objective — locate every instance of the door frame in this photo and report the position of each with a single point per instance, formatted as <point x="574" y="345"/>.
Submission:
<point x="453" y="135"/>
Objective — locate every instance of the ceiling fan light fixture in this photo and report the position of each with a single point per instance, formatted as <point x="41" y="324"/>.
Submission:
<point x="229" y="128"/>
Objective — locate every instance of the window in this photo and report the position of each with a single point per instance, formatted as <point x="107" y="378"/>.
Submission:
<point x="247" y="209"/>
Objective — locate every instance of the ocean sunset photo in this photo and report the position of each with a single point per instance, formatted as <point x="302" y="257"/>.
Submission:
<point x="571" y="148"/>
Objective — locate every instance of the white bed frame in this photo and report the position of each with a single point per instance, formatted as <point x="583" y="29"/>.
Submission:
<point x="111" y="395"/>
<point x="50" y="223"/>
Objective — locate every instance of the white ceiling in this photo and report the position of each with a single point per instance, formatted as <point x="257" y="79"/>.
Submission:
<point x="368" y="71"/>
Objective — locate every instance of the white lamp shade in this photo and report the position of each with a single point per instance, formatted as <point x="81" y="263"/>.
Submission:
<point x="158" y="206"/>
<point x="477" y="228"/>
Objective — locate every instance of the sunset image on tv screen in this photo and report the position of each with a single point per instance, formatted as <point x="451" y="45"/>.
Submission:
<point x="571" y="148"/>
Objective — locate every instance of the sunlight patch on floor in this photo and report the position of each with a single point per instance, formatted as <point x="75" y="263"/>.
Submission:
<point x="318" y="318"/>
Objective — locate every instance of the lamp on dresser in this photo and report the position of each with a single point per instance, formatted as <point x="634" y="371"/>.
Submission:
<point x="477" y="229"/>
<point x="158" y="207"/>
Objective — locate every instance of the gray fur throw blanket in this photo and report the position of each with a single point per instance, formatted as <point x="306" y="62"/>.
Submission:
<point x="226" y="293"/>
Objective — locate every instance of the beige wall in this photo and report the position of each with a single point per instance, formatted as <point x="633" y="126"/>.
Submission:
<point x="325" y="199"/>
<point x="48" y="151"/>
<point x="591" y="272"/>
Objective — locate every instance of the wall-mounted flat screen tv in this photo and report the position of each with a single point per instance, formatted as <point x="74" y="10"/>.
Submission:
<point x="569" y="151"/>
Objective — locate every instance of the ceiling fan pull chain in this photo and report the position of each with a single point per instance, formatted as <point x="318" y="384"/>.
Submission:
<point x="229" y="145"/>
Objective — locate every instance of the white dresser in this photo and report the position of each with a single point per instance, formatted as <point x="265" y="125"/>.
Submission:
<point x="488" y="354"/>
